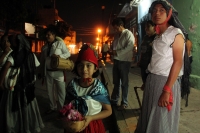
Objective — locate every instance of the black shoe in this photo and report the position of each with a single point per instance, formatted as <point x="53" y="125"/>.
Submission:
<point x="50" y="111"/>
<point x="122" y="107"/>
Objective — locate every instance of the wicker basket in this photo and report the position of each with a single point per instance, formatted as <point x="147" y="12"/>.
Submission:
<point x="73" y="126"/>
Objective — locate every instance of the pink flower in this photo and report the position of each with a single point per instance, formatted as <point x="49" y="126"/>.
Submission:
<point x="66" y="108"/>
<point x="70" y="114"/>
<point x="74" y="115"/>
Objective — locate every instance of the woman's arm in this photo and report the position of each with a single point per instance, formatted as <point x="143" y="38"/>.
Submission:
<point x="3" y="73"/>
<point x="6" y="51"/>
<point x="189" y="47"/>
<point x="178" y="47"/>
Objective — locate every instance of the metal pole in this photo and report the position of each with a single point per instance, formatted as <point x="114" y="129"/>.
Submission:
<point x="103" y="8"/>
<point x="98" y="44"/>
<point x="138" y="98"/>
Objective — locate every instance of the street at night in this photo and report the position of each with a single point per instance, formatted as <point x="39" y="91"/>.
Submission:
<point x="99" y="66"/>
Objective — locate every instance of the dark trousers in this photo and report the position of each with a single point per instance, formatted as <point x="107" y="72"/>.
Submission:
<point x="120" y="80"/>
<point x="104" y="54"/>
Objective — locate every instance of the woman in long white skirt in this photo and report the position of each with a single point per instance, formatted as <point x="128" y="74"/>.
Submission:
<point x="162" y="93"/>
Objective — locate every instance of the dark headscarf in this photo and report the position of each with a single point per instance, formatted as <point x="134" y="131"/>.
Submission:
<point x="23" y="59"/>
<point x="174" y="21"/>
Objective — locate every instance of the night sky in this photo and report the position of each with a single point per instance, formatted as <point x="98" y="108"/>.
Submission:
<point x="85" y="16"/>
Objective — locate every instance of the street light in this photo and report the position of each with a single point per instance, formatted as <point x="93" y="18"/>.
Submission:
<point x="103" y="32"/>
<point x="98" y="31"/>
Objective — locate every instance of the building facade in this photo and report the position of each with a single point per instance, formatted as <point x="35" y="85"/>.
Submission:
<point x="188" y="14"/>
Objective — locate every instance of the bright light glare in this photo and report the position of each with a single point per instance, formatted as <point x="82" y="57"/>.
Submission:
<point x="143" y="8"/>
<point x="72" y="45"/>
<point x="99" y="30"/>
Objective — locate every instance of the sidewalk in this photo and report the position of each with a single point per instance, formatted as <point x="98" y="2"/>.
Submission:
<point x="127" y="119"/>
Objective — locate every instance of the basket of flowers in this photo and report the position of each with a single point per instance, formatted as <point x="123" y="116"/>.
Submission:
<point x="72" y="120"/>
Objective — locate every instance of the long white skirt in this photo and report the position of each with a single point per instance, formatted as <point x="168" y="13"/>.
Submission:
<point x="155" y="119"/>
<point x="25" y="120"/>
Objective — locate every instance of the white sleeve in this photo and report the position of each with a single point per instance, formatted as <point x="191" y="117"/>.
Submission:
<point x="37" y="63"/>
<point x="65" y="51"/>
<point x="10" y="59"/>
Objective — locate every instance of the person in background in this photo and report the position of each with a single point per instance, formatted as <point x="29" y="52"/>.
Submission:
<point x="5" y="51"/>
<point x="189" y="48"/>
<point x="105" y="49"/>
<point x="122" y="53"/>
<point x="53" y="47"/>
<point x="88" y="93"/>
<point x="162" y="94"/>
<point x="111" y="51"/>
<point x="19" y="112"/>
<point x="146" y="49"/>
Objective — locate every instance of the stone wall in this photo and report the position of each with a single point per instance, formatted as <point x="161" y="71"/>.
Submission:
<point x="189" y="15"/>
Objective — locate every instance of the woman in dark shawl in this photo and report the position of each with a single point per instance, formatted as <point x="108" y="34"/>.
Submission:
<point x="19" y="109"/>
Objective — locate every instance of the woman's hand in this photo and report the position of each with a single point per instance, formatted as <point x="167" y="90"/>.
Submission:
<point x="142" y="87"/>
<point x="88" y="119"/>
<point x="7" y="50"/>
<point x="164" y="99"/>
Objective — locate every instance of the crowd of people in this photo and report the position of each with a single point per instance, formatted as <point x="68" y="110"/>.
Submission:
<point x="19" y="112"/>
<point x="165" y="39"/>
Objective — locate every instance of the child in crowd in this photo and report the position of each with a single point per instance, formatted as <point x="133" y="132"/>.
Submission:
<point x="146" y="49"/>
<point x="5" y="51"/>
<point x="88" y="93"/>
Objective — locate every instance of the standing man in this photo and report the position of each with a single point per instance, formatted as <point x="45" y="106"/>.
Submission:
<point x="122" y="51"/>
<point x="54" y="46"/>
<point x="105" y="49"/>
